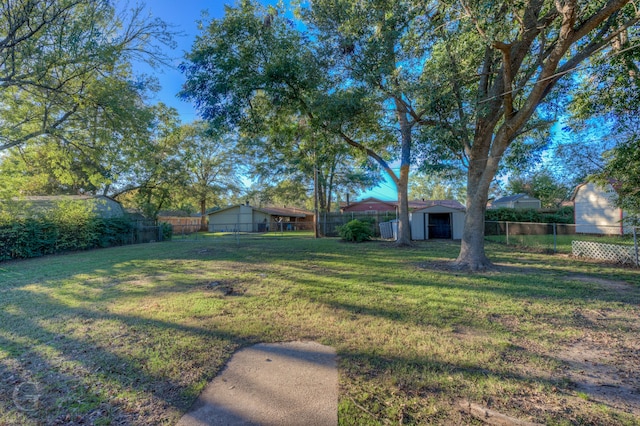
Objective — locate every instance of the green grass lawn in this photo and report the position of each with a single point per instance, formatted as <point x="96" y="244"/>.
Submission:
<point x="131" y="335"/>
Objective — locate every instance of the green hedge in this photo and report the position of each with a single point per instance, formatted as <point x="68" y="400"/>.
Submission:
<point x="33" y="237"/>
<point x="562" y="215"/>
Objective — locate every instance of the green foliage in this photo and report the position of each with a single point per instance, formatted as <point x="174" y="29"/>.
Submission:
<point x="69" y="226"/>
<point x="436" y="187"/>
<point x="65" y="63"/>
<point x="562" y="215"/>
<point x="167" y="231"/>
<point x="543" y="185"/>
<point x="356" y="231"/>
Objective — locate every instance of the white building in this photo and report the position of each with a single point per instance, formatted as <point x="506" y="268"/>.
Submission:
<point x="595" y="212"/>
<point x="246" y="218"/>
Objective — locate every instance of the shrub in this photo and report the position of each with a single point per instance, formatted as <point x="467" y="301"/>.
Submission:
<point x="167" y="231"/>
<point x="68" y="226"/>
<point x="355" y="231"/>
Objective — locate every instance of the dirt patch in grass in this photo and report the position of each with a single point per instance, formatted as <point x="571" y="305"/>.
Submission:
<point x="620" y="286"/>
<point x="603" y="368"/>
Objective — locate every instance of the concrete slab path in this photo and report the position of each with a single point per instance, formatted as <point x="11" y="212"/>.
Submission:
<point x="294" y="383"/>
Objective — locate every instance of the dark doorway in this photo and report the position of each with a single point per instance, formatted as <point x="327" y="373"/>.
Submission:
<point x="440" y="225"/>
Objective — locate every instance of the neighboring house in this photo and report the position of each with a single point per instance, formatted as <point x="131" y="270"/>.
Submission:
<point x="438" y="219"/>
<point x="375" y="206"/>
<point x="518" y="201"/>
<point x="103" y="206"/>
<point x="594" y="210"/>
<point x="370" y="205"/>
<point x="246" y="218"/>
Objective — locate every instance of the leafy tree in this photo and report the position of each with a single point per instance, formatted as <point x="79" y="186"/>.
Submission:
<point x="543" y="185"/>
<point x="255" y="55"/>
<point x="622" y="170"/>
<point x="211" y="162"/>
<point x="286" y="192"/>
<point x="473" y="78"/>
<point x="434" y="187"/>
<point x="503" y="61"/>
<point x="156" y="168"/>
<point x="91" y="152"/>
<point x="610" y="96"/>
<point x="292" y="151"/>
<point x="56" y="56"/>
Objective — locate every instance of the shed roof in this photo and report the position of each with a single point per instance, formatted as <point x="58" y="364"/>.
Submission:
<point x="450" y="204"/>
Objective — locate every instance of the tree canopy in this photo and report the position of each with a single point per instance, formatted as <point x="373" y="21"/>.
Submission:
<point x="62" y="58"/>
<point x="474" y="81"/>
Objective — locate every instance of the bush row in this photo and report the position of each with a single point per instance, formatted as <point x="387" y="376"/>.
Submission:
<point x="33" y="237"/>
<point x="562" y="215"/>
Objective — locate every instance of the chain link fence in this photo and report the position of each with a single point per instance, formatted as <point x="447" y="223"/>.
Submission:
<point x="568" y="239"/>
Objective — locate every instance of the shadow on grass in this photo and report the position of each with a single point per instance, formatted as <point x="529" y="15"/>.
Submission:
<point x="81" y="379"/>
<point x="371" y="280"/>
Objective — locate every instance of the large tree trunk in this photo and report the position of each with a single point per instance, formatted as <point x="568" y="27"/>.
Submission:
<point x="472" y="255"/>
<point x="203" y="215"/>
<point x="483" y="164"/>
<point x="404" y="227"/>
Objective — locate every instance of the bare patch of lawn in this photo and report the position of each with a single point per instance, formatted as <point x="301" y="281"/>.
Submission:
<point x="131" y="335"/>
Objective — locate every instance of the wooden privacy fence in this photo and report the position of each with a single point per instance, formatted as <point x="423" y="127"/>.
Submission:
<point x="609" y="252"/>
<point x="329" y="222"/>
<point x="182" y="224"/>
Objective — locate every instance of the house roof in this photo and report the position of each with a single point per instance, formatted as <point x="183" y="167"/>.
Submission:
<point x="103" y="205"/>
<point x="273" y="211"/>
<point x="511" y="198"/>
<point x="369" y="200"/>
<point x="285" y="211"/>
<point x="615" y="185"/>
<point x="414" y="204"/>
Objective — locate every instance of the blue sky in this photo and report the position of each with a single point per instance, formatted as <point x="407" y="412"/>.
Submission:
<point x="183" y="16"/>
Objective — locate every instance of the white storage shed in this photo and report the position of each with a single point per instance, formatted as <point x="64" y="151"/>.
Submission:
<point x="442" y="219"/>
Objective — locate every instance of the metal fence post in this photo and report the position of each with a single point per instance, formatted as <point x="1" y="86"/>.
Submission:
<point x="507" y="231"/>
<point x="635" y="244"/>
<point x="555" y="238"/>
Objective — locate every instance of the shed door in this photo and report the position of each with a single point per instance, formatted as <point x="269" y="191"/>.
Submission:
<point x="440" y="225"/>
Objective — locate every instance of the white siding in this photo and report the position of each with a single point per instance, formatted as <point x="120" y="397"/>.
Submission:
<point x="417" y="225"/>
<point x="245" y="219"/>
<point x="594" y="211"/>
<point x="260" y="221"/>
<point x="224" y="221"/>
<point x="238" y="218"/>
<point x="458" y="225"/>
<point x="527" y="204"/>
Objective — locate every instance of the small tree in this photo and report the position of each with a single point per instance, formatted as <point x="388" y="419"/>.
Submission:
<point x="355" y="231"/>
